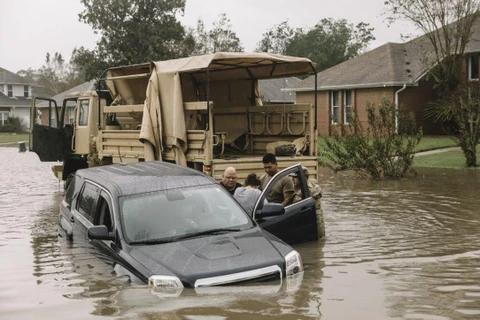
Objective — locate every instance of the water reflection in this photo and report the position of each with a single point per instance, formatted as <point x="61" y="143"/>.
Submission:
<point x="394" y="250"/>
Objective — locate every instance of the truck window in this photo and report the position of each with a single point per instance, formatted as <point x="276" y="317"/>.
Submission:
<point x="87" y="201"/>
<point x="83" y="113"/>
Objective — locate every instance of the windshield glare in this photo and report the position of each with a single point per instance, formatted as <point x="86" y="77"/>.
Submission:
<point x="173" y="213"/>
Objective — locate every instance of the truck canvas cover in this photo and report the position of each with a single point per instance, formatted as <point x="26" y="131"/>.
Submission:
<point x="228" y="79"/>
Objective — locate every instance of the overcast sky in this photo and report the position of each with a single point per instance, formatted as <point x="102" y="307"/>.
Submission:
<point x="31" y="28"/>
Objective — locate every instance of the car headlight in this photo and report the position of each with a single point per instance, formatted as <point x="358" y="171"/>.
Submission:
<point x="165" y="286"/>
<point x="294" y="263"/>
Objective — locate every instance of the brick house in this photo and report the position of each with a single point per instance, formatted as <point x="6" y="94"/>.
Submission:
<point x="397" y="71"/>
<point x="15" y="97"/>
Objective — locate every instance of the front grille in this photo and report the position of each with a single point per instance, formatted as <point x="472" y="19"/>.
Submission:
<point x="262" y="274"/>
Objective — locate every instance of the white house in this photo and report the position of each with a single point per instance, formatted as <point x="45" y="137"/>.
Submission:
<point x="15" y="97"/>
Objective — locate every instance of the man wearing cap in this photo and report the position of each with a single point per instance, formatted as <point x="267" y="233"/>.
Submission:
<point x="315" y="193"/>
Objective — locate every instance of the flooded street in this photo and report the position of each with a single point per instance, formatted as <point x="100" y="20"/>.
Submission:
<point x="394" y="250"/>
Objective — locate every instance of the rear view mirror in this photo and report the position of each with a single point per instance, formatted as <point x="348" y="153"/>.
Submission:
<point x="272" y="209"/>
<point x="99" y="233"/>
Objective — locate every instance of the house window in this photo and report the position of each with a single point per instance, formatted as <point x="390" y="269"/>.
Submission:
<point x="10" y="90"/>
<point x="334" y="106"/>
<point x="25" y="91"/>
<point x="71" y="115"/>
<point x="347" y="106"/>
<point x="3" y="117"/>
<point x="53" y="119"/>
<point x="473" y="67"/>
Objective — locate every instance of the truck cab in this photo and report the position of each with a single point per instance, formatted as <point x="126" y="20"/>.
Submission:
<point x="66" y="133"/>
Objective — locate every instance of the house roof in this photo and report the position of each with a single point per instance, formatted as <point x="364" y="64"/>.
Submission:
<point x="8" y="77"/>
<point x="272" y="90"/>
<point x="392" y="64"/>
<point x="86" y="86"/>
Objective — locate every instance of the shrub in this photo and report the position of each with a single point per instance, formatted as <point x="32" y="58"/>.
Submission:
<point x="380" y="151"/>
<point x="15" y="124"/>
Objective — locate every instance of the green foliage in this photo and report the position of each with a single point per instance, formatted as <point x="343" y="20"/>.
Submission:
<point x="221" y="38"/>
<point x="55" y="76"/>
<point x="330" y="42"/>
<point x="275" y="39"/>
<point x="460" y="114"/>
<point x="377" y="151"/>
<point x="132" y="31"/>
<point x="15" y="125"/>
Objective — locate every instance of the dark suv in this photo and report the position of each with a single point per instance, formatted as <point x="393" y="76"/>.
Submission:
<point x="174" y="227"/>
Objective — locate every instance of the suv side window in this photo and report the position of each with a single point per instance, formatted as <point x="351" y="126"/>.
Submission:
<point x="70" y="184"/>
<point x="103" y="214"/>
<point x="87" y="201"/>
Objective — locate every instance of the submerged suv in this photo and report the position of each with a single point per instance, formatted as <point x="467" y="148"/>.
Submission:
<point x="174" y="227"/>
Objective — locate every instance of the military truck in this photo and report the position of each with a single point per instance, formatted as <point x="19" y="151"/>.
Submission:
<point x="204" y="112"/>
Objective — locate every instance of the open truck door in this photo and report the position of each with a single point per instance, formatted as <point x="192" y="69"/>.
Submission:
<point x="49" y="141"/>
<point x="297" y="222"/>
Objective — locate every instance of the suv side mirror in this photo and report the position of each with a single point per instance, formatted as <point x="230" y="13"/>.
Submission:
<point x="272" y="209"/>
<point x="99" y="233"/>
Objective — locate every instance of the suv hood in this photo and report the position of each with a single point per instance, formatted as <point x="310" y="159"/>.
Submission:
<point x="209" y="256"/>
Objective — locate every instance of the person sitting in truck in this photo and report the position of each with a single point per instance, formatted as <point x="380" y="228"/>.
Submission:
<point x="229" y="180"/>
<point x="283" y="190"/>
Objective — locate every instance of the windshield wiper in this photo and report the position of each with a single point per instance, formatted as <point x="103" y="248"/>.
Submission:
<point x="154" y="241"/>
<point x="208" y="232"/>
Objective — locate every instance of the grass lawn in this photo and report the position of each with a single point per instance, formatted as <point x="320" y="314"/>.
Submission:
<point x="435" y="142"/>
<point x="449" y="159"/>
<point x="11" y="139"/>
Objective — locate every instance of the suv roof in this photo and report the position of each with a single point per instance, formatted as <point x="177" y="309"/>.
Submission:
<point x="141" y="177"/>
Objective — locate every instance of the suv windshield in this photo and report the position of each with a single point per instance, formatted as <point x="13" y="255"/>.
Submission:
<point x="171" y="214"/>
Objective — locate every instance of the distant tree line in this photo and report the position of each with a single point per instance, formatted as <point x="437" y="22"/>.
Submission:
<point x="138" y="31"/>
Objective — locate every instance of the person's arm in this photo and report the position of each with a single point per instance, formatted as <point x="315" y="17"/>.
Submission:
<point x="287" y="196"/>
<point x="288" y="191"/>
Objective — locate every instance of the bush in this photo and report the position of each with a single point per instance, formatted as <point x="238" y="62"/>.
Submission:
<point x="15" y="124"/>
<point x="378" y="151"/>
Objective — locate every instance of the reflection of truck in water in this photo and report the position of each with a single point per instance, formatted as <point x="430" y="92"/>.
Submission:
<point x="204" y="112"/>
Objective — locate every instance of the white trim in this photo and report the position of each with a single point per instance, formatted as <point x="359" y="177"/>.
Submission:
<point x="345" y="106"/>
<point x="354" y="86"/>
<point x="332" y="107"/>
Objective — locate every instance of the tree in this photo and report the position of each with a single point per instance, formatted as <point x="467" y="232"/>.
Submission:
<point x="275" y="40"/>
<point x="221" y="38"/>
<point x="55" y="76"/>
<point x="132" y="31"/>
<point x="384" y="150"/>
<point x="330" y="42"/>
<point x="447" y="25"/>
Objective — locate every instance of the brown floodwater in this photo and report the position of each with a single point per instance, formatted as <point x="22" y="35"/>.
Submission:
<point x="406" y="249"/>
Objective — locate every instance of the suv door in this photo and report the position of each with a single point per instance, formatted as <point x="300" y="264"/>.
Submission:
<point x="83" y="212"/>
<point x="299" y="221"/>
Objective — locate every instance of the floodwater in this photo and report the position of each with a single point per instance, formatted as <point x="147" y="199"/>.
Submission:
<point x="408" y="249"/>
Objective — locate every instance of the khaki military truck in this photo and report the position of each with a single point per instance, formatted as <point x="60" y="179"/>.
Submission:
<point x="204" y="112"/>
